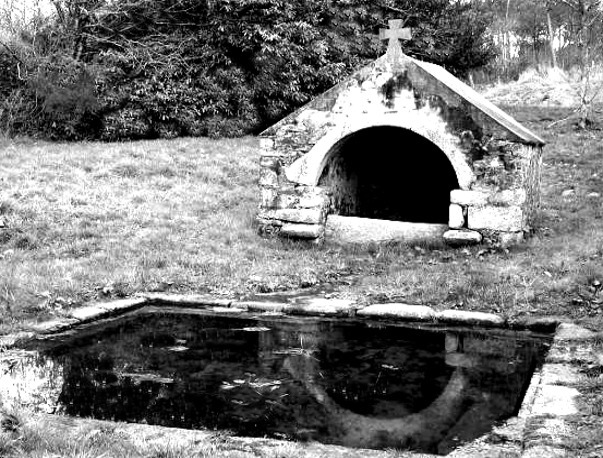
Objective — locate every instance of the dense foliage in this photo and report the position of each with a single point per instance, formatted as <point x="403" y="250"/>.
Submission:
<point x="163" y="68"/>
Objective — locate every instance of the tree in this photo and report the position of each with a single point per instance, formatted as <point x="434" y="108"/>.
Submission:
<point x="165" y="68"/>
<point x="584" y="31"/>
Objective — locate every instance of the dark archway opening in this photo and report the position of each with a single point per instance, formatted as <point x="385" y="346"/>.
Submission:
<point x="389" y="173"/>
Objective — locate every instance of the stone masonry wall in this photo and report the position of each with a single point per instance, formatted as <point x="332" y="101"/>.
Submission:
<point x="499" y="177"/>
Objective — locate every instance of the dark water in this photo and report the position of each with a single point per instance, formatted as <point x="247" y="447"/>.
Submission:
<point x="335" y="381"/>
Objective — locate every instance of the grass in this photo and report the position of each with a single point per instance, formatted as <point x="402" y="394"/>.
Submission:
<point x="94" y="221"/>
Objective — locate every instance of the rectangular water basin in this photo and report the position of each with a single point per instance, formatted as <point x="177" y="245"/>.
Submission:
<point x="341" y="381"/>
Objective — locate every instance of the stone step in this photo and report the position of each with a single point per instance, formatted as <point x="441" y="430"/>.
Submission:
<point x="351" y="229"/>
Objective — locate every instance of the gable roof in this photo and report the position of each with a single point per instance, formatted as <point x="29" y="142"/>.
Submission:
<point x="479" y="101"/>
<point x="439" y="75"/>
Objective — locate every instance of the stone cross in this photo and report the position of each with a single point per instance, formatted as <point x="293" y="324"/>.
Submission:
<point x="394" y="34"/>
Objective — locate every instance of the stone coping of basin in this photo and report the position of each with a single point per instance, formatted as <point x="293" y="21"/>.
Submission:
<point x="547" y="408"/>
<point x="314" y="306"/>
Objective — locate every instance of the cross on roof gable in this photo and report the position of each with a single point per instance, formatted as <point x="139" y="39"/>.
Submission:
<point x="394" y="34"/>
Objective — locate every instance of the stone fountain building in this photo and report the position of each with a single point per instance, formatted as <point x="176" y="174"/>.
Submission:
<point x="400" y="151"/>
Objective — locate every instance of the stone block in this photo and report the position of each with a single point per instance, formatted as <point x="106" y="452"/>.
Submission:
<point x="302" y="231"/>
<point x="266" y="143"/>
<point x="286" y="200"/>
<point x="571" y="331"/>
<point x="507" y="219"/>
<point x="462" y="237"/>
<point x="297" y="215"/>
<point x="312" y="200"/>
<point x="508" y="197"/>
<point x="555" y="400"/>
<point x="467" y="317"/>
<point x="268" y="197"/>
<point x="323" y="306"/>
<point x="401" y="311"/>
<point x="456" y="216"/>
<point x="88" y="313"/>
<point x="559" y="374"/>
<point x="468" y="198"/>
<point x="349" y="229"/>
<point x="268" y="178"/>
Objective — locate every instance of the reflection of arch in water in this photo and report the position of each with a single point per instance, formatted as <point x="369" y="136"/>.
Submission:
<point x="418" y="430"/>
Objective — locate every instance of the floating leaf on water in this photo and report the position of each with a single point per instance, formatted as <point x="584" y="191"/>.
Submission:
<point x="177" y="348"/>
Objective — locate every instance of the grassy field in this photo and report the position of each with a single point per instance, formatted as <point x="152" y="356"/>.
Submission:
<point x="90" y="222"/>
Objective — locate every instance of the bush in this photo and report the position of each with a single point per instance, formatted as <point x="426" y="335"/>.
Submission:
<point x="132" y="70"/>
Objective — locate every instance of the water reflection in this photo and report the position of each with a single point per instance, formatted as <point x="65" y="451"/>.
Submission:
<point x="339" y="382"/>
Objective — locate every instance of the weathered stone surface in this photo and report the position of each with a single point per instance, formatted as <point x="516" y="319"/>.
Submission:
<point x="88" y="313"/>
<point x="466" y="317"/>
<point x="228" y="310"/>
<point x="539" y="324"/>
<point x="495" y="160"/>
<point x="456" y="216"/>
<point x="312" y="200"/>
<point x="323" y="306"/>
<point x="463" y="197"/>
<point x="261" y="306"/>
<point x="266" y="143"/>
<point x="555" y="400"/>
<point x="397" y="310"/>
<point x="297" y="215"/>
<point x="54" y="325"/>
<point x="188" y="300"/>
<point x="268" y="197"/>
<point x="570" y="331"/>
<point x="268" y="177"/>
<point x="545" y="451"/>
<point x="508" y="219"/>
<point x="347" y="229"/>
<point x="123" y="305"/>
<point x="507" y="197"/>
<point x="462" y="237"/>
<point x="559" y="374"/>
<point x="302" y="231"/>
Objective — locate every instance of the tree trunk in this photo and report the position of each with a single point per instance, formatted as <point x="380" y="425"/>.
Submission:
<point x="551" y="39"/>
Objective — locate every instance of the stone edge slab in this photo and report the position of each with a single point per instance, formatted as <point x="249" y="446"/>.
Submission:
<point x="322" y="307"/>
<point x="545" y="379"/>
